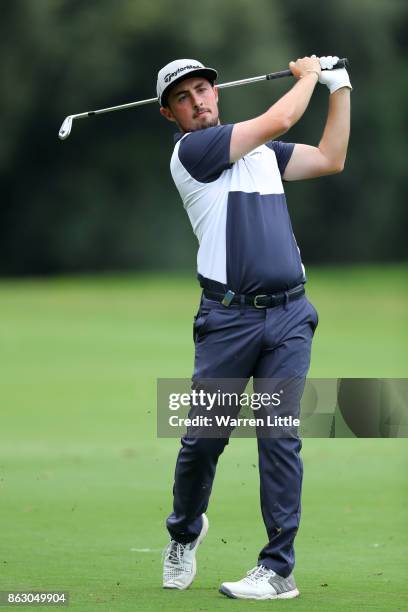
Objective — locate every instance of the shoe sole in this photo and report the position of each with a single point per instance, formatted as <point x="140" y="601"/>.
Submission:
<point x="203" y="533"/>
<point x="287" y="595"/>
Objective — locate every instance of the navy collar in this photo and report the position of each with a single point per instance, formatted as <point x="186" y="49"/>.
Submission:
<point x="178" y="135"/>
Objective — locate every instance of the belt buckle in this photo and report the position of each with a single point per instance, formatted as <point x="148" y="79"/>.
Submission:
<point x="256" y="298"/>
<point x="228" y="297"/>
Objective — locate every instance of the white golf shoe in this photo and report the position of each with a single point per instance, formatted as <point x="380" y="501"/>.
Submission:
<point x="261" y="583"/>
<point x="180" y="567"/>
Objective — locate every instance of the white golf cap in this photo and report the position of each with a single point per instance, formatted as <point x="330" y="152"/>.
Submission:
<point x="176" y="71"/>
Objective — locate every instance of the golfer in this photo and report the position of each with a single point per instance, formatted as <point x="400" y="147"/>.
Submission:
<point x="254" y="318"/>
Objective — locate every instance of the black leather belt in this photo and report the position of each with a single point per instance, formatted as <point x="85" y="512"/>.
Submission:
<point x="257" y="301"/>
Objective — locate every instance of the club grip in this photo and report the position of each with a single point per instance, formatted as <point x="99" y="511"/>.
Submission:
<point x="342" y="63"/>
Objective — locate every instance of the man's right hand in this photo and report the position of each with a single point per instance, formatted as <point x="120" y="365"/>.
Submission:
<point x="279" y="118"/>
<point x="304" y="66"/>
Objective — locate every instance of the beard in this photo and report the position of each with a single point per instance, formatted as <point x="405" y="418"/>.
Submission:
<point x="208" y="120"/>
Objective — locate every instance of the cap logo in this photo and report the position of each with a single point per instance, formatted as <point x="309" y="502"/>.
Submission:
<point x="170" y="75"/>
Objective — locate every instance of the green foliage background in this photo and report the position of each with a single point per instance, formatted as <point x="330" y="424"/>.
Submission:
<point x="104" y="199"/>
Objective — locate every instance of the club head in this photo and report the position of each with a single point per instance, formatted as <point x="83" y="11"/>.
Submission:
<point x="65" y="128"/>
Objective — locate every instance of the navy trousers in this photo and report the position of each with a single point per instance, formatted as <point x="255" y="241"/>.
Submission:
<point x="240" y="342"/>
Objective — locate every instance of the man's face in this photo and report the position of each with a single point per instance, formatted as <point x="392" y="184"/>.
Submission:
<point x="193" y="105"/>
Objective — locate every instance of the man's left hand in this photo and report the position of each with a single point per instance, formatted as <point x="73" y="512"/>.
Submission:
<point x="333" y="79"/>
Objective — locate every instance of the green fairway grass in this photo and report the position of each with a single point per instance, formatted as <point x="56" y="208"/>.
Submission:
<point x="85" y="485"/>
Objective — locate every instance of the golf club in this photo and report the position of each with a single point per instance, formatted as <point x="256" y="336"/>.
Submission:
<point x="66" y="126"/>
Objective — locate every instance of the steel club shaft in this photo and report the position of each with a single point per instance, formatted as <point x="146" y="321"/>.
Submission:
<point x="66" y="126"/>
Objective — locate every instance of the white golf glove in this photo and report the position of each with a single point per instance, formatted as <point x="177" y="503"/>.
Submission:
<point x="334" y="79"/>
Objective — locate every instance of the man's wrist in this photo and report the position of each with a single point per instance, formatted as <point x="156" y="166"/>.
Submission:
<point x="346" y="86"/>
<point x="316" y="72"/>
<point x="311" y="73"/>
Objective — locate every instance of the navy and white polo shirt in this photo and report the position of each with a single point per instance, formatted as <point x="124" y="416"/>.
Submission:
<point x="238" y="211"/>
